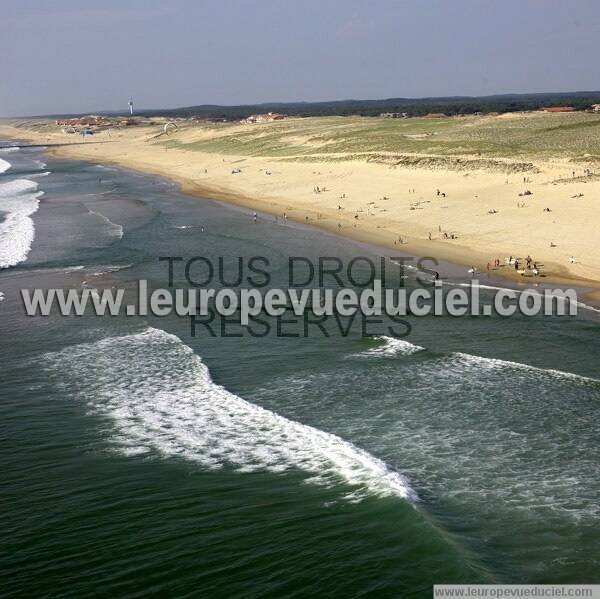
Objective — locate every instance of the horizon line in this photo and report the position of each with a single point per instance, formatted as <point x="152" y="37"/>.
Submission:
<point x="309" y="102"/>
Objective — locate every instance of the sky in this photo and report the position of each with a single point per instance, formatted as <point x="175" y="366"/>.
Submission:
<point x="72" y="56"/>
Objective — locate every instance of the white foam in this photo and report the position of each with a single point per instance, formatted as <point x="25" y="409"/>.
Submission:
<point x="497" y="364"/>
<point x="69" y="269"/>
<point x="404" y="265"/>
<point x="115" y="229"/>
<point x="461" y="361"/>
<point x="478" y="285"/>
<point x="392" y="346"/>
<point x="42" y="174"/>
<point x="105" y="269"/>
<point x="160" y="397"/>
<point x="519" y="291"/>
<point x="9" y="149"/>
<point x="4" y="165"/>
<point x="18" y="201"/>
<point x="586" y="307"/>
<point x="1" y="296"/>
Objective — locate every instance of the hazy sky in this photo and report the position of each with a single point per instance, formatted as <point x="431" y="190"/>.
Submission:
<point x="80" y="55"/>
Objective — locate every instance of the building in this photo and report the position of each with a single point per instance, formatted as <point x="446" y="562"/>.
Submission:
<point x="84" y="121"/>
<point x="559" y="109"/>
<point x="263" y="118"/>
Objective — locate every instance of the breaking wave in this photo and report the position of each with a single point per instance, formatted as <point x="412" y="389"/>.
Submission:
<point x="461" y="362"/>
<point x="469" y="360"/>
<point x="161" y="398"/>
<point x="19" y="199"/>
<point x="391" y="346"/>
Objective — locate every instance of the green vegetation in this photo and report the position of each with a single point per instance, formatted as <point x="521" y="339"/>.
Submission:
<point x="518" y="137"/>
<point x="458" y="105"/>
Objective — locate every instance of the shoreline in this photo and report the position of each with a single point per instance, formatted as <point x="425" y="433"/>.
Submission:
<point x="458" y="256"/>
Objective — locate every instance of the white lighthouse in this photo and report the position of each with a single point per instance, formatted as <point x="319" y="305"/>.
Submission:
<point x="130" y="103"/>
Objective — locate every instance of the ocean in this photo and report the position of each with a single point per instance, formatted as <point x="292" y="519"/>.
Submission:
<point x="140" y="459"/>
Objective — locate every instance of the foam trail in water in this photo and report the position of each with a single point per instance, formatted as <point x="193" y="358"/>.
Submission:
<point x="115" y="229"/>
<point x="478" y="285"/>
<point x="461" y="361"/>
<point x="161" y="398"/>
<point x="470" y="360"/>
<point x="518" y="292"/>
<point x="108" y="268"/>
<point x="18" y="201"/>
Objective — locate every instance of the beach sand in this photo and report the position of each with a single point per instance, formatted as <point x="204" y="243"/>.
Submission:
<point x="378" y="198"/>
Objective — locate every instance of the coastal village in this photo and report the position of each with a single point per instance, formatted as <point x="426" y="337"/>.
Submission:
<point x="91" y="124"/>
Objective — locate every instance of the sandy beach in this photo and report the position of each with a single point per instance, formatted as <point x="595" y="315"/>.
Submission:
<point x="467" y="207"/>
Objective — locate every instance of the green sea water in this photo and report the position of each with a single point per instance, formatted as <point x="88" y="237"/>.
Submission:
<point x="140" y="460"/>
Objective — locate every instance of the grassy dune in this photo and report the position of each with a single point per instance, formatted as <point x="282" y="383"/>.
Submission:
<point x="513" y="137"/>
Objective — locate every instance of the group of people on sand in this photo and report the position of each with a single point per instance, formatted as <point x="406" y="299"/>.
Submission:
<point x="445" y="234"/>
<point x="530" y="265"/>
<point x="587" y="172"/>
<point x="521" y="266"/>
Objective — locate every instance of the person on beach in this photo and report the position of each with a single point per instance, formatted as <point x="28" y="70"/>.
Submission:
<point x="255" y="217"/>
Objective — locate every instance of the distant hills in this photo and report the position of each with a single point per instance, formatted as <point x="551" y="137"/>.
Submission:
<point x="450" y="105"/>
